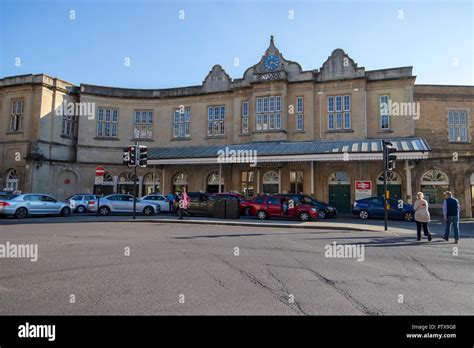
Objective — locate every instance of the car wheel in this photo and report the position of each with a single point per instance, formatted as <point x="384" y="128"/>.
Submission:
<point x="262" y="215"/>
<point x="104" y="211"/>
<point x="80" y="209"/>
<point x="408" y="216"/>
<point x="304" y="216"/>
<point x="65" y="211"/>
<point x="322" y="214"/>
<point x="364" y="214"/>
<point x="21" y="213"/>
<point x="148" y="211"/>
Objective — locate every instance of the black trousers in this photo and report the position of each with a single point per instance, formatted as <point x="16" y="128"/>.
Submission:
<point x="426" y="230"/>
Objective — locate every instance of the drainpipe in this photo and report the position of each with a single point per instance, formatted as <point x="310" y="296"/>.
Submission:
<point x="408" y="169"/>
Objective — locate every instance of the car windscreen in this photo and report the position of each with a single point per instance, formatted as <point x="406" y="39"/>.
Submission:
<point x="7" y="197"/>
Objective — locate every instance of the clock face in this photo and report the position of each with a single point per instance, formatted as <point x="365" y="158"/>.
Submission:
<point x="271" y="62"/>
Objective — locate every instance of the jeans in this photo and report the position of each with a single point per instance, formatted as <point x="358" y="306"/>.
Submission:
<point x="452" y="220"/>
<point x="426" y="230"/>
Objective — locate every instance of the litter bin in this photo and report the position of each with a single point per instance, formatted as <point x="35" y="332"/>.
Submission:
<point x="232" y="209"/>
<point x="219" y="209"/>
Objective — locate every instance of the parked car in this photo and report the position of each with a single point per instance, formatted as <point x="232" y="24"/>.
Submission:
<point x="244" y="204"/>
<point x="201" y="203"/>
<point x="373" y="207"/>
<point x="325" y="210"/>
<point x="265" y="207"/>
<point x="23" y="205"/>
<point x="161" y="201"/>
<point x="82" y="202"/>
<point x="122" y="203"/>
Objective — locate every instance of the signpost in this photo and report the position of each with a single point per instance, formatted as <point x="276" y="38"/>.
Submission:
<point x="363" y="189"/>
<point x="99" y="179"/>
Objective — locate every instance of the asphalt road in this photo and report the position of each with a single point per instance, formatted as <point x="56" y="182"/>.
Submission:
<point x="273" y="267"/>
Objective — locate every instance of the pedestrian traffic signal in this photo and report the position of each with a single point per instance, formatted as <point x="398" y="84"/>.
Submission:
<point x="132" y="153"/>
<point x="388" y="157"/>
<point x="143" y="155"/>
<point x="126" y="156"/>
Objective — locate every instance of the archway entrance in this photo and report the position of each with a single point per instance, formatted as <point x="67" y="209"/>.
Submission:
<point x="151" y="186"/>
<point x="213" y="183"/>
<point x="12" y="181"/>
<point x="180" y="181"/>
<point x="394" y="185"/>
<point x="340" y="191"/>
<point x="107" y="186"/>
<point x="125" y="184"/>
<point x="433" y="184"/>
<point x="271" y="183"/>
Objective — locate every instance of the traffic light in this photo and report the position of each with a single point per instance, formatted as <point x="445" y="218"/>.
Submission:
<point x="132" y="153"/>
<point x="143" y="155"/>
<point x="126" y="156"/>
<point x="388" y="157"/>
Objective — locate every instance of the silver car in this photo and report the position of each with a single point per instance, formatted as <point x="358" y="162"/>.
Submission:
<point x="22" y="205"/>
<point x="120" y="203"/>
<point x="82" y="202"/>
<point x="160" y="200"/>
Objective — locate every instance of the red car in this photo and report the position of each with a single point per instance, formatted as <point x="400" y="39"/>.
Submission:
<point x="265" y="207"/>
<point x="244" y="204"/>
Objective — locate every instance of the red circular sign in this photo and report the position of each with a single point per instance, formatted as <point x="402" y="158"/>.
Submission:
<point x="67" y="181"/>
<point x="99" y="171"/>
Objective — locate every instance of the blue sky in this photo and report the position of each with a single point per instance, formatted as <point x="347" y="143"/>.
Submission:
<point x="435" y="37"/>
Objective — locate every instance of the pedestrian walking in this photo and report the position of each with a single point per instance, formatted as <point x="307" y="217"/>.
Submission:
<point x="451" y="210"/>
<point x="422" y="216"/>
<point x="170" y="197"/>
<point x="183" y="204"/>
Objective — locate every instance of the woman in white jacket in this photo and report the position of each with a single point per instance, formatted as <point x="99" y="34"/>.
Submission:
<point x="422" y="216"/>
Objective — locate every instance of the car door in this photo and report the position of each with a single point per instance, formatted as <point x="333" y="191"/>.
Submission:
<point x="127" y="203"/>
<point x="273" y="206"/>
<point x="34" y="204"/>
<point x="376" y="207"/>
<point x="51" y="205"/>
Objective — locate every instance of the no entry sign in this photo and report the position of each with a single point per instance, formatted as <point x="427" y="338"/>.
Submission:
<point x="99" y="171"/>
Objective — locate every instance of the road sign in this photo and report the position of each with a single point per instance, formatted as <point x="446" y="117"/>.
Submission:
<point x="99" y="171"/>
<point x="99" y="180"/>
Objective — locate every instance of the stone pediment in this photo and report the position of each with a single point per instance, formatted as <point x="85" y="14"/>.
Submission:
<point x="217" y="80"/>
<point x="282" y="69"/>
<point x="340" y="66"/>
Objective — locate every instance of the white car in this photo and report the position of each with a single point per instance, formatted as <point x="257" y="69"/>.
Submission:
<point x="159" y="200"/>
<point x="120" y="203"/>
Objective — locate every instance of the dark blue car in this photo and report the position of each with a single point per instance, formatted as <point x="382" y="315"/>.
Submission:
<point x="373" y="207"/>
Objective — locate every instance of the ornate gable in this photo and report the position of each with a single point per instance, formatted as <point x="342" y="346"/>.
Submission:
<point x="340" y="66"/>
<point x="217" y="80"/>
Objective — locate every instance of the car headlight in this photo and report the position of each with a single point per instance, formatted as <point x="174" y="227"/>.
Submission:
<point x="330" y="208"/>
<point x="314" y="209"/>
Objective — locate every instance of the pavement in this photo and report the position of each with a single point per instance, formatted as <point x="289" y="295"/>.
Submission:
<point x="164" y="268"/>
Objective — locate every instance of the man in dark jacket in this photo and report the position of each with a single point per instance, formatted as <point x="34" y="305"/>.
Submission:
<point x="451" y="212"/>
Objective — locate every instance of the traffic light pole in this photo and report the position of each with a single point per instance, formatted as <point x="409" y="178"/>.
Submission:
<point x="385" y="201"/>
<point x="135" y="181"/>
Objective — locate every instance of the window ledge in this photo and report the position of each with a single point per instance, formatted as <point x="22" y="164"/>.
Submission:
<point x="107" y="138"/>
<point x="340" y="131"/>
<point x="180" y="139"/>
<point x="67" y="136"/>
<point x="14" y="132"/>
<point x="142" y="140"/>
<point x="460" y="142"/>
<point x="244" y="134"/>
<point x="216" y="137"/>
<point x="269" y="131"/>
<point x="299" y="132"/>
<point x="385" y="131"/>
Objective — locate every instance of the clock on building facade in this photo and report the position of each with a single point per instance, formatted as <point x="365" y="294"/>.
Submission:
<point x="271" y="62"/>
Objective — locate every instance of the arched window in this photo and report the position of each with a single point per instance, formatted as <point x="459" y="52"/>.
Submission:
<point x="12" y="180"/>
<point x="151" y="184"/>
<point x="213" y="182"/>
<point x="339" y="178"/>
<point x="106" y="187"/>
<point x="125" y="184"/>
<point x="180" y="181"/>
<point x="271" y="182"/>
<point x="433" y="184"/>
<point x="392" y="178"/>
